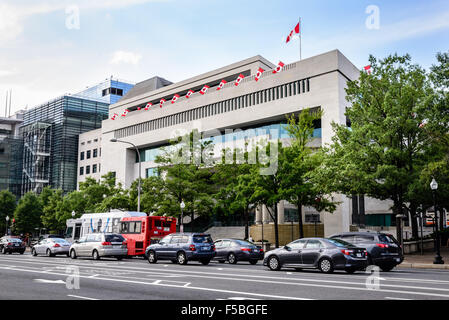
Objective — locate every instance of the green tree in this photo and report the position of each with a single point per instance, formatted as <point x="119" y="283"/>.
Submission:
<point x="50" y="208"/>
<point x="7" y="205"/>
<point x="297" y="185"/>
<point x="28" y="214"/>
<point x="384" y="151"/>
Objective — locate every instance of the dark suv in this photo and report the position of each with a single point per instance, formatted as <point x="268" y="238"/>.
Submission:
<point x="383" y="249"/>
<point x="181" y="248"/>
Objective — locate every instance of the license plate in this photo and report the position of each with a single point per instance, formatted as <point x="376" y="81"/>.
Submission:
<point x="205" y="248"/>
<point x="255" y="250"/>
<point x="359" y="255"/>
<point x="117" y="247"/>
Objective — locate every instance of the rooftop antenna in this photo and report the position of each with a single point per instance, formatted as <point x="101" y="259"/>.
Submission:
<point x="6" y="103"/>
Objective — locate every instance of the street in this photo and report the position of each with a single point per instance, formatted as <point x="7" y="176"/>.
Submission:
<point x="28" y="277"/>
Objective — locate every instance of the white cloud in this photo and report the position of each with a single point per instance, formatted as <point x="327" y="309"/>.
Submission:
<point x="125" y="57"/>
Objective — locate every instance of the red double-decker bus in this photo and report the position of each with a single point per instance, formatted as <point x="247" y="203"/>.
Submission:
<point x="140" y="232"/>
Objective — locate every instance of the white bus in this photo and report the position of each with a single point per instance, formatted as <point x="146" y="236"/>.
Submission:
<point x="97" y="222"/>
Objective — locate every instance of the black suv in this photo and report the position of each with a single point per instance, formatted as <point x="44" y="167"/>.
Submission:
<point x="182" y="247"/>
<point x="383" y="249"/>
<point x="10" y="244"/>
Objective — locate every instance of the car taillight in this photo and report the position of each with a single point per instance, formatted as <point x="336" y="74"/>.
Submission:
<point x="125" y="243"/>
<point x="261" y="250"/>
<point x="192" y="247"/>
<point x="105" y="243"/>
<point x="9" y="243"/>
<point x="246" y="249"/>
<point x="347" y="252"/>
<point x="56" y="245"/>
<point x="382" y="245"/>
<point x="366" y="253"/>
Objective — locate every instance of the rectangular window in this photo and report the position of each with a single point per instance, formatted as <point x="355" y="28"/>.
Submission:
<point x="94" y="168"/>
<point x="88" y="154"/>
<point x="81" y="171"/>
<point x="303" y="86"/>
<point x="308" y="85"/>
<point x="87" y="169"/>
<point x="82" y="156"/>
<point x="95" y="153"/>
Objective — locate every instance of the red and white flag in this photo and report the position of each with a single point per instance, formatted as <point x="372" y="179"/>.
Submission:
<point x="147" y="107"/>
<point x="138" y="108"/>
<point x="222" y="83"/>
<point x="279" y="67"/>
<point x="175" y="97"/>
<point x="161" y="102"/>
<point x="125" y="113"/>
<point x="292" y="33"/>
<point x="189" y="93"/>
<point x="204" y="90"/>
<point x="114" y="116"/>
<point x="239" y="79"/>
<point x="259" y="74"/>
<point x="368" y="69"/>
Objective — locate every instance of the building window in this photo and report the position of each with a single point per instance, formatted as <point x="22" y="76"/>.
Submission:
<point x="95" y="153"/>
<point x="94" y="168"/>
<point x="88" y="154"/>
<point x="81" y="171"/>
<point x="87" y="169"/>
<point x="82" y="156"/>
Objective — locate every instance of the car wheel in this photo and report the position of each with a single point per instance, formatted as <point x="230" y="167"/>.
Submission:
<point x="205" y="261"/>
<point x="181" y="258"/>
<point x="48" y="253"/>
<point x="232" y="259"/>
<point x="95" y="255"/>
<point x="273" y="263"/>
<point x="386" y="267"/>
<point x="33" y="252"/>
<point x="326" y="266"/>
<point x="73" y="254"/>
<point x="152" y="257"/>
<point x="253" y="262"/>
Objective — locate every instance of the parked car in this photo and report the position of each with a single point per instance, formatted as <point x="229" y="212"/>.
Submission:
<point x="325" y="254"/>
<point x="181" y="248"/>
<point x="234" y="250"/>
<point x="383" y="249"/>
<point x="44" y="236"/>
<point x="10" y="244"/>
<point x="97" y="245"/>
<point x="51" y="247"/>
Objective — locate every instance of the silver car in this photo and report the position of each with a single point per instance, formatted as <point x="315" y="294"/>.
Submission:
<point x="51" y="247"/>
<point x="97" y="245"/>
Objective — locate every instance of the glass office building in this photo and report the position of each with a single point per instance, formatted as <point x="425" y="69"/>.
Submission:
<point x="50" y="135"/>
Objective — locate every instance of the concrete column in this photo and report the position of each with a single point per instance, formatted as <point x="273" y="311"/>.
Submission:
<point x="258" y="219"/>
<point x="265" y="215"/>
<point x="281" y="216"/>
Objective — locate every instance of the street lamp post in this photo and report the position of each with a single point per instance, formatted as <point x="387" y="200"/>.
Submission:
<point x="7" y="220"/>
<point x="138" y="157"/>
<point x="181" y="227"/>
<point x="438" y="259"/>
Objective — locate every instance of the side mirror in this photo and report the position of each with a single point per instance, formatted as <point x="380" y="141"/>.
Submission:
<point x="287" y="248"/>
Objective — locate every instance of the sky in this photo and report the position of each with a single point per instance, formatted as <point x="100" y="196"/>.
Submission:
<point x="52" y="47"/>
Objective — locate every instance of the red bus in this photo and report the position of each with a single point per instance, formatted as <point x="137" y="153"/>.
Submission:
<point x="140" y="232"/>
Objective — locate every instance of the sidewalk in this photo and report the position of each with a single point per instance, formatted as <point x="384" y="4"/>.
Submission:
<point x="425" y="261"/>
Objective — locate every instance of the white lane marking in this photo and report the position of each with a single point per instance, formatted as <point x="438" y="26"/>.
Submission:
<point x="294" y="279"/>
<point x="241" y="298"/>
<point x="49" y="281"/>
<point x="267" y="296"/>
<point x="93" y="276"/>
<point x="395" y="298"/>
<point x="80" y="297"/>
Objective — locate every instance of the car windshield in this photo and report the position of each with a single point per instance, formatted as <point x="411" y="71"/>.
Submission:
<point x="14" y="240"/>
<point x="244" y="243"/>
<point x="388" y="238"/>
<point x="114" y="238"/>
<point x="340" y="243"/>
<point x="202" y="239"/>
<point x="56" y="240"/>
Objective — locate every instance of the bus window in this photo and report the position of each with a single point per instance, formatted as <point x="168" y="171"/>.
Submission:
<point x="124" y="227"/>
<point x="68" y="232"/>
<point x="116" y="225"/>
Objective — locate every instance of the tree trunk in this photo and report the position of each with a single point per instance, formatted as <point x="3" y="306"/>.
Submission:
<point x="246" y="214"/>
<point x="276" y="229"/>
<point x="414" y="221"/>
<point x="300" y="224"/>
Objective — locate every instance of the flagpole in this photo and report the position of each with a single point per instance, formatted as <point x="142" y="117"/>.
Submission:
<point x="300" y="37"/>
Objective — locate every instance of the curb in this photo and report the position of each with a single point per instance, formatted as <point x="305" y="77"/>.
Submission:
<point x="423" y="266"/>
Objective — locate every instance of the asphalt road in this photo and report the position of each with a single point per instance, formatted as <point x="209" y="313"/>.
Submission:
<point x="28" y="277"/>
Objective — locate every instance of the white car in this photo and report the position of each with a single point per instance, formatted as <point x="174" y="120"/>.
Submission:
<point x="51" y="247"/>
